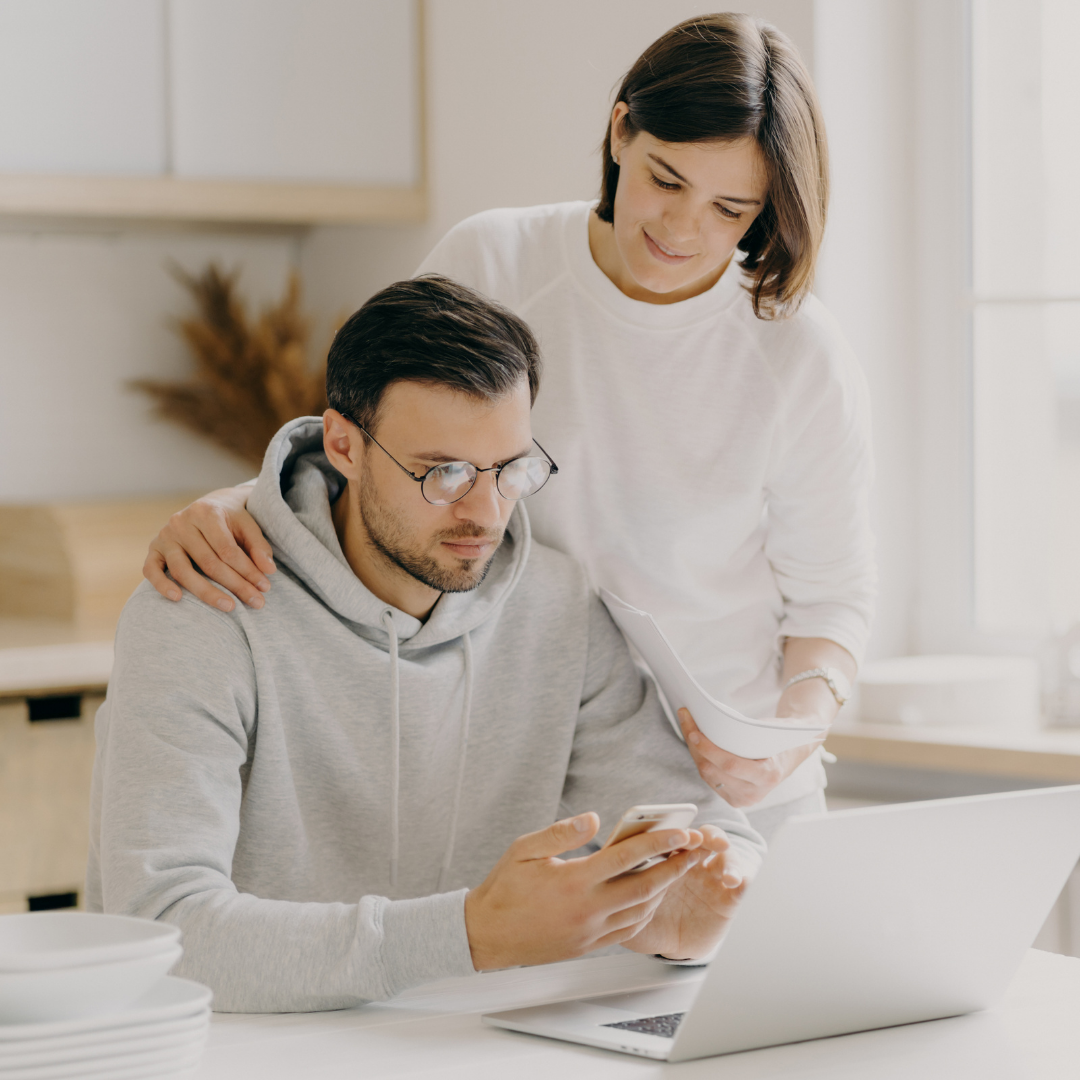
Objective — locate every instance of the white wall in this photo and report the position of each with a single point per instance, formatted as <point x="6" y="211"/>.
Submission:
<point x="83" y="309"/>
<point x="865" y="75"/>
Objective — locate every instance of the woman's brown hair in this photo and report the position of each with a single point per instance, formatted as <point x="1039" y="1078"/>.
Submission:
<point x="718" y="78"/>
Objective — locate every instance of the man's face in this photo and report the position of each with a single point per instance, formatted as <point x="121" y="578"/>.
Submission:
<point x="447" y="548"/>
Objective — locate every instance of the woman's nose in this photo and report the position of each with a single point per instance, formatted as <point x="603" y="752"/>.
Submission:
<point x="682" y="221"/>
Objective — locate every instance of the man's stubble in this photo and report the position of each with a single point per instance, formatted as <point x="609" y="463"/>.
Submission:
<point x="390" y="537"/>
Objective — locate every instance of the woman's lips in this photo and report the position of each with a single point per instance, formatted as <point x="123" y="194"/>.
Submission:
<point x="663" y="254"/>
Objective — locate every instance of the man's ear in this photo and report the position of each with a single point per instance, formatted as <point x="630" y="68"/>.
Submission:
<point x="343" y="443"/>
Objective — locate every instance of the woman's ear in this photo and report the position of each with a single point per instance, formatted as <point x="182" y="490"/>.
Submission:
<point x="618" y="137"/>
<point x="343" y="444"/>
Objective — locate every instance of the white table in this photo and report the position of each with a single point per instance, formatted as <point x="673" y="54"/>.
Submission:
<point x="435" y="1031"/>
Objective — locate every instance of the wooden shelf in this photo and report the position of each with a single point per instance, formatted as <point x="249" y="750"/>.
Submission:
<point x="173" y="199"/>
<point x="1046" y="754"/>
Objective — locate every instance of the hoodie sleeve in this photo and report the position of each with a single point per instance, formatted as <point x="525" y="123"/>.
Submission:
<point x="173" y="752"/>
<point x="626" y="752"/>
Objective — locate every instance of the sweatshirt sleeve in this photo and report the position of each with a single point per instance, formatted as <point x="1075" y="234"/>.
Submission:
<point x="819" y="540"/>
<point x="173" y="753"/>
<point x="625" y="751"/>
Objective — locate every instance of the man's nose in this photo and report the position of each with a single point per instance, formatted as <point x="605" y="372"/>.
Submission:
<point x="483" y="504"/>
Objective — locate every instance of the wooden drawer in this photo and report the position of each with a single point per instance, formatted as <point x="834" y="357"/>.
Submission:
<point x="45" y="770"/>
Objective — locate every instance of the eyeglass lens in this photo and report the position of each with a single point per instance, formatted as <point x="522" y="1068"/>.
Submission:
<point x="517" y="479"/>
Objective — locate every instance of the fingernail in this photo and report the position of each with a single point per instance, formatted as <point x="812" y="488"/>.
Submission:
<point x="225" y="605"/>
<point x="264" y="585"/>
<point x="694" y="737"/>
<point x="581" y="823"/>
<point x="172" y="594"/>
<point x="256" y="602"/>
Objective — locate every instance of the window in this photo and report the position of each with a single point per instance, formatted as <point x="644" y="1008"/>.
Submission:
<point x="1025" y="315"/>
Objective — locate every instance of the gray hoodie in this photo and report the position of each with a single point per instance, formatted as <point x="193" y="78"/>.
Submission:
<point x="309" y="790"/>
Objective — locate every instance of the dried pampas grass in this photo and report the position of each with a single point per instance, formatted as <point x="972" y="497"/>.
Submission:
<point x="249" y="378"/>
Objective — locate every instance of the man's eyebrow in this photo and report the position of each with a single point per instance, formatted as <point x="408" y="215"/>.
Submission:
<point x="439" y="458"/>
<point x="727" y="198"/>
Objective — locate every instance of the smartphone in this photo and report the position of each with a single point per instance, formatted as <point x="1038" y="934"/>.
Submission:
<point x="639" y="819"/>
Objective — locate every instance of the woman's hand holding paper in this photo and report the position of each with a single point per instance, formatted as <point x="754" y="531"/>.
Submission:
<point x="741" y="781"/>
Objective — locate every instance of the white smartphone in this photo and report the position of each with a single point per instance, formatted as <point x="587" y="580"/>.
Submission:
<point x="648" y="818"/>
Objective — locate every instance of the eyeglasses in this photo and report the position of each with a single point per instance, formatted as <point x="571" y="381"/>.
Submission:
<point x="444" y="484"/>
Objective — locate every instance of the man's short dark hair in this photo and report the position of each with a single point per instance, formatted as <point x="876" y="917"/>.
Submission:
<point x="431" y="330"/>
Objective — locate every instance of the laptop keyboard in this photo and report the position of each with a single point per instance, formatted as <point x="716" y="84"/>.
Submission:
<point x="652" y="1025"/>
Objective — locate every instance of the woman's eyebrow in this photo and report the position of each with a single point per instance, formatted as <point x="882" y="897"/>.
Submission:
<point x="727" y="198"/>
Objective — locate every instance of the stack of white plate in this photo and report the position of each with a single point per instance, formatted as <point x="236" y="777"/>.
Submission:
<point x="87" y="996"/>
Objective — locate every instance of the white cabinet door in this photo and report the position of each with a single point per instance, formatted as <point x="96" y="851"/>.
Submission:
<point x="295" y="90"/>
<point x="82" y="86"/>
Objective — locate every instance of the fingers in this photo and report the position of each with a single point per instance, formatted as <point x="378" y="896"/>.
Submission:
<point x="637" y="896"/>
<point x="724" y="861"/>
<point x="251" y="539"/>
<point x="185" y="574"/>
<point x="201" y="529"/>
<point x="625" y="855"/>
<point x="154" y="572"/>
<point x="563" y="836"/>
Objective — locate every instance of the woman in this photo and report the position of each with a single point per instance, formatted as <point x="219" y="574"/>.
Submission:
<point x="711" y="422"/>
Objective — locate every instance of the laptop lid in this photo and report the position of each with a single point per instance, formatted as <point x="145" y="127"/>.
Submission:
<point x="885" y="915"/>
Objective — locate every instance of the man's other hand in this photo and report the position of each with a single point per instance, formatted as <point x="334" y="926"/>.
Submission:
<point x="534" y="908"/>
<point x="693" y="915"/>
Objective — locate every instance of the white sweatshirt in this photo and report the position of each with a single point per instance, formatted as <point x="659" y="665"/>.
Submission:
<point x="715" y="468"/>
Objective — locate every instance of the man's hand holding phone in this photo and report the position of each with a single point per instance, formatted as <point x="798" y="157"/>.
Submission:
<point x="535" y="908"/>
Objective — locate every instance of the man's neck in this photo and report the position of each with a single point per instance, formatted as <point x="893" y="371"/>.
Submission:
<point x="381" y="576"/>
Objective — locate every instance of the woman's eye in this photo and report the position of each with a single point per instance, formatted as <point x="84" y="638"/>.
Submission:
<point x="731" y="215"/>
<point x="663" y="185"/>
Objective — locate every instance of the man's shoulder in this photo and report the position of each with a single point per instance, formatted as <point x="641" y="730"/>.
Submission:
<point x="178" y="632"/>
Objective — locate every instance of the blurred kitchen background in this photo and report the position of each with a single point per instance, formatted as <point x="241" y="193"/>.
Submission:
<point x="335" y="141"/>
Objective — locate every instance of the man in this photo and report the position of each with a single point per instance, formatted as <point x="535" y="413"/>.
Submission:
<point x="355" y="793"/>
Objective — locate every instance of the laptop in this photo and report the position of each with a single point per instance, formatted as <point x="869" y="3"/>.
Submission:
<point x="858" y="919"/>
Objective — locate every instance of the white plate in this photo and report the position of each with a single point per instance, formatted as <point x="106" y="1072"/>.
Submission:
<point x="116" y="1039"/>
<point x="37" y="997"/>
<point x="168" y="1000"/>
<point x="44" y="940"/>
<point x="132" y="1067"/>
<point x="66" y="1055"/>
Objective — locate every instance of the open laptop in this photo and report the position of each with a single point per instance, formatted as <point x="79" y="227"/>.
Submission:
<point x="859" y="919"/>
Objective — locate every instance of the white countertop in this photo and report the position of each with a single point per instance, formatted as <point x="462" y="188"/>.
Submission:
<point x="436" y="1031"/>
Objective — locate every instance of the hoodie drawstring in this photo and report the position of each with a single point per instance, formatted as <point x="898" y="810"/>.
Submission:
<point x="387" y="621"/>
<point x="462" y="751"/>
<point x="395" y="757"/>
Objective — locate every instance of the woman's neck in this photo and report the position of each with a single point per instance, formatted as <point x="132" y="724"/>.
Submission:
<point x="605" y="253"/>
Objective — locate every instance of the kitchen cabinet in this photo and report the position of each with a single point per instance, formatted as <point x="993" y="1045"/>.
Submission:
<point x="250" y="110"/>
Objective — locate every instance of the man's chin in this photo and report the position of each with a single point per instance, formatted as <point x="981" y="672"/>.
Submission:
<point x="466" y="575"/>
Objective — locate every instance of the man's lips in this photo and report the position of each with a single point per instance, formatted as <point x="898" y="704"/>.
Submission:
<point x="472" y="547"/>
<point x="664" y="254"/>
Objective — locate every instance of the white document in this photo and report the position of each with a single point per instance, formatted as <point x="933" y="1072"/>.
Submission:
<point x="729" y="729"/>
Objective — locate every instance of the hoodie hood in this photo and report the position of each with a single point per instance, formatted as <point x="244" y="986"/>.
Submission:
<point x="292" y="503"/>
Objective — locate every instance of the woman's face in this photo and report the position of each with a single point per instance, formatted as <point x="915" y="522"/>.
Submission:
<point x="680" y="209"/>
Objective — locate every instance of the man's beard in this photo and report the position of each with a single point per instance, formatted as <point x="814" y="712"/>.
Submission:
<point x="391" y="538"/>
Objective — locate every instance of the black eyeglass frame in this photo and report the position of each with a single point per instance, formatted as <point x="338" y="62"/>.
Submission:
<point x="496" y="469"/>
